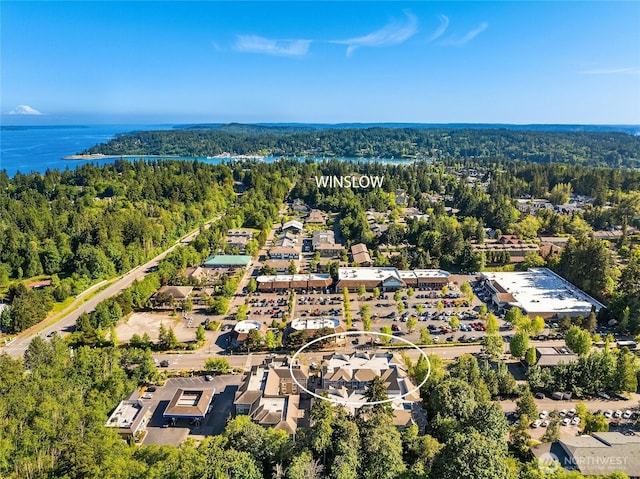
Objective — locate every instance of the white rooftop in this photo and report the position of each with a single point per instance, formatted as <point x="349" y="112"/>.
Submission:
<point x="368" y="274"/>
<point x="540" y="290"/>
<point x="315" y="323"/>
<point x="291" y="277"/>
<point x="423" y="273"/>
<point x="243" y="327"/>
<point x="125" y="414"/>
<point x="349" y="362"/>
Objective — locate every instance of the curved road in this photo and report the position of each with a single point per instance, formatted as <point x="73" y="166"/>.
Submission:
<point x="64" y="320"/>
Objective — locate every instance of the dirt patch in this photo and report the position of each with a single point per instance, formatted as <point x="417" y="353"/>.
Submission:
<point x="140" y="323"/>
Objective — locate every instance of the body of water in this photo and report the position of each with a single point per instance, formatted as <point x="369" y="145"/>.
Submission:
<point x="36" y="148"/>
<point x="39" y="148"/>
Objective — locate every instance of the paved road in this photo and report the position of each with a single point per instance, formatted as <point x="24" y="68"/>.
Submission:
<point x="64" y="321"/>
<point x="195" y="360"/>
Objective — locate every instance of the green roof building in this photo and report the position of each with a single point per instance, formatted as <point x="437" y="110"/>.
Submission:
<point x="226" y="261"/>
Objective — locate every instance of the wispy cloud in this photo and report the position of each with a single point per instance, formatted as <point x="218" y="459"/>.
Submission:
<point x="611" y="71"/>
<point x="268" y="46"/>
<point x="444" y="24"/>
<point x="468" y="37"/>
<point x="394" y="33"/>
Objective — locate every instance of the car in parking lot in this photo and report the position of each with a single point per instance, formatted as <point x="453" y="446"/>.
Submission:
<point x="536" y="423"/>
<point x="617" y="414"/>
<point x="626" y="414"/>
<point x="543" y="415"/>
<point x="608" y="413"/>
<point x="164" y="363"/>
<point x="566" y="421"/>
<point x="575" y="421"/>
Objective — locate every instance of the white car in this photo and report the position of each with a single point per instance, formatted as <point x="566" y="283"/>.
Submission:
<point x="572" y="412"/>
<point x="544" y="414"/>
<point x="563" y="413"/>
<point x="536" y="423"/>
<point x="545" y="423"/>
<point x="608" y="413"/>
<point x="627" y="414"/>
<point x="566" y="421"/>
<point x="147" y="396"/>
<point x="617" y="414"/>
<point x="575" y="421"/>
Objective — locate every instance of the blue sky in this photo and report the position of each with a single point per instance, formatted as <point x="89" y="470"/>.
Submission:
<point x="502" y="62"/>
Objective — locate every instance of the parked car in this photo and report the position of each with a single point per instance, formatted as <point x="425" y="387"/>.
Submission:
<point x="543" y="415"/>
<point x="536" y="423"/>
<point x="164" y="363"/>
<point x="566" y="421"/>
<point x="575" y="421"/>
<point x="627" y="414"/>
<point x="608" y="413"/>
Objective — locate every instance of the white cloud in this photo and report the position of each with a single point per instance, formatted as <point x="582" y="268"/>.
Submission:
<point x="393" y="33"/>
<point x="268" y="46"/>
<point x="468" y="37"/>
<point x="611" y="71"/>
<point x="444" y="24"/>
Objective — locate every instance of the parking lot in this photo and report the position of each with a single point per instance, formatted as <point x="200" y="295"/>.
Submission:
<point x="621" y="415"/>
<point x="214" y="422"/>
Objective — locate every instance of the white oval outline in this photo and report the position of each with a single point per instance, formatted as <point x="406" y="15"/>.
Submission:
<point x="357" y="403"/>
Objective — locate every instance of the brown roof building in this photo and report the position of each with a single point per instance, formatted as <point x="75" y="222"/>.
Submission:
<point x="293" y="281"/>
<point x="360" y="255"/>
<point x="189" y="403"/>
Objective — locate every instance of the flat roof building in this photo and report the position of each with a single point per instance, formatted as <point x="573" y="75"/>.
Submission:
<point x="385" y="278"/>
<point x="315" y="323"/>
<point x="551" y="357"/>
<point x="228" y="261"/>
<point x="130" y="418"/>
<point x="538" y="292"/>
<point x="189" y="404"/>
<point x="293" y="281"/>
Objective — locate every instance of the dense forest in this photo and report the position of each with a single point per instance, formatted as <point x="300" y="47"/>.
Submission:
<point x="587" y="148"/>
<point x="52" y="425"/>
<point x="77" y="227"/>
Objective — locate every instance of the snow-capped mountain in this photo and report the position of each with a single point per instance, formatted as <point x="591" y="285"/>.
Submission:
<point x="24" y="110"/>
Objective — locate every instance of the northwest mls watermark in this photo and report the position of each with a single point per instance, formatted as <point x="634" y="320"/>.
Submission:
<point x="550" y="463"/>
<point x="355" y="182"/>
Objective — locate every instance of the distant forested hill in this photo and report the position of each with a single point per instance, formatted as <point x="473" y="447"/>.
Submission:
<point x="580" y="147"/>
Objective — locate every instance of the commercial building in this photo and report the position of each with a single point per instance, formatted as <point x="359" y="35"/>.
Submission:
<point x="313" y="324"/>
<point x="228" y="261"/>
<point x="189" y="404"/>
<point x="384" y="278"/>
<point x="239" y="238"/>
<point x="599" y="454"/>
<point x="425" y="278"/>
<point x="324" y="243"/>
<point x="285" y="252"/>
<point x="270" y="395"/>
<point x="130" y="418"/>
<point x="538" y="292"/>
<point x="551" y="357"/>
<point x="282" y="282"/>
<point x="170" y="295"/>
<point x="242" y="328"/>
